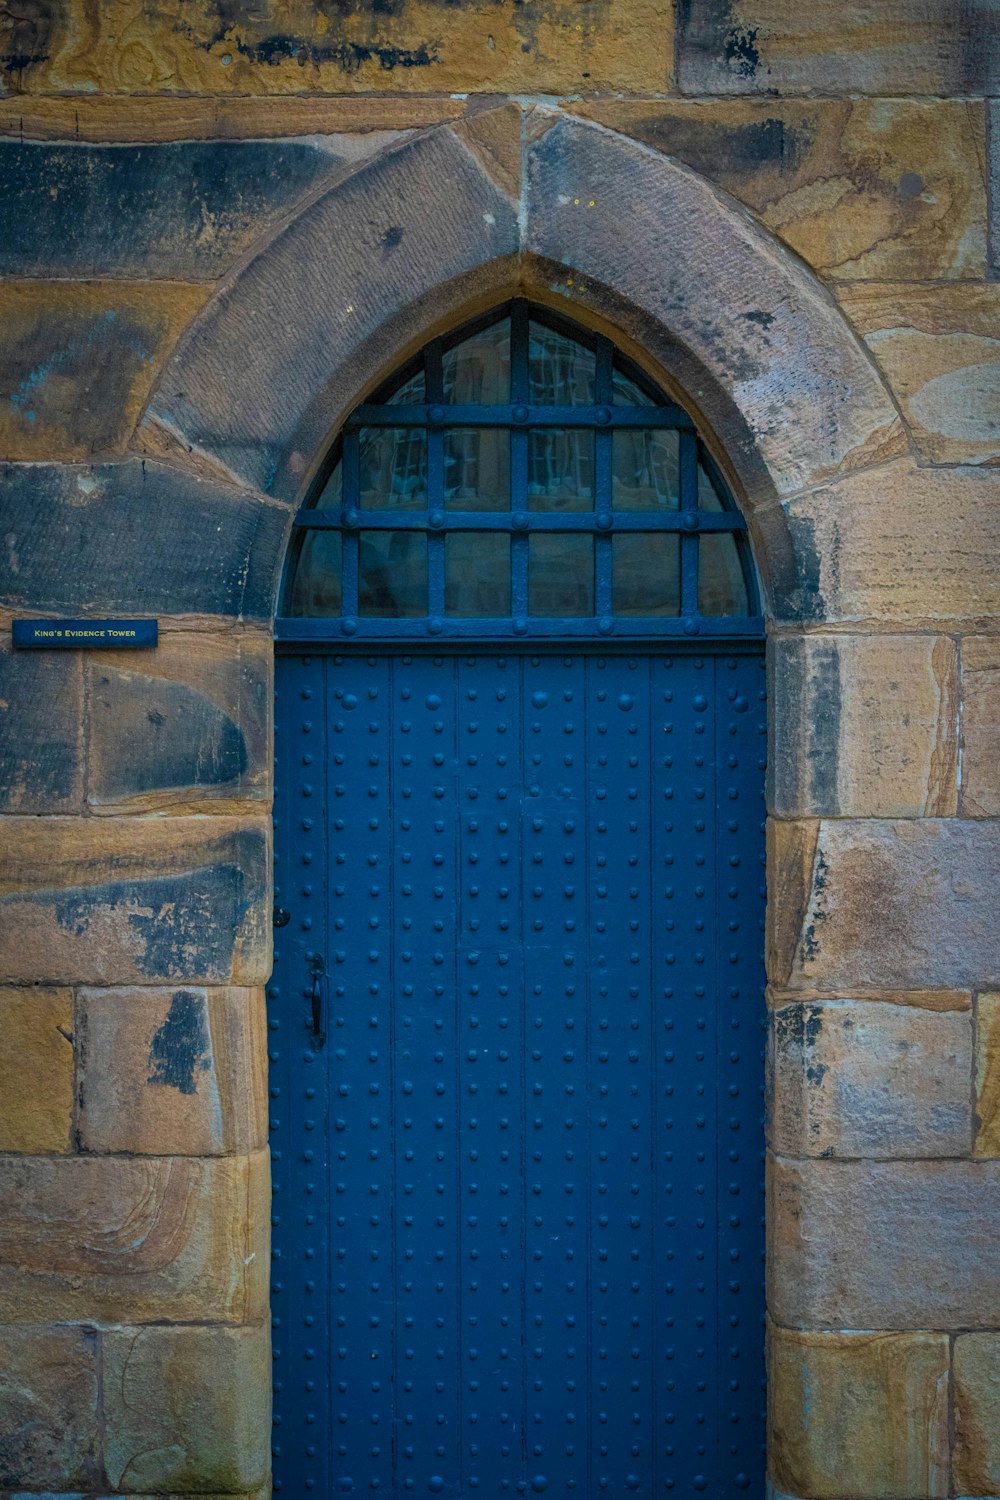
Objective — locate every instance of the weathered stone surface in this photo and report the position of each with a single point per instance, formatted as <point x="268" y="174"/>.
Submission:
<point x="870" y="904"/>
<point x="859" y="1414"/>
<point x="883" y="1244"/>
<point x="895" y="544"/>
<point x="179" y="1072"/>
<point x="745" y="312"/>
<point x="864" y="726"/>
<point x="851" y="1079"/>
<point x="184" y="209"/>
<point x="299" y="46"/>
<point x="130" y="1239"/>
<point x="48" y="1407"/>
<point x="135" y="901"/>
<point x="185" y="727"/>
<point x="36" y="1069"/>
<point x="980" y="796"/>
<point x="940" y="350"/>
<point x="859" y="188"/>
<point x="41" y="730"/>
<point x="936" y="1000"/>
<point x="123" y="120"/>
<point x="187" y="1408"/>
<point x="977" y="1408"/>
<point x="394" y="231"/>
<point x="135" y="538"/>
<point x="895" y="47"/>
<point x="993" y="135"/>
<point x="77" y="361"/>
<point x="260" y="1494"/>
<point x="987" y="1076"/>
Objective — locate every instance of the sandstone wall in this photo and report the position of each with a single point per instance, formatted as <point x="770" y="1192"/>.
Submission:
<point x="151" y="152"/>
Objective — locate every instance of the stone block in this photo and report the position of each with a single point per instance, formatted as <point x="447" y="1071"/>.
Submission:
<point x="977" y="1413"/>
<point x="41" y="730"/>
<point x="121" y="120"/>
<point x="871" y="904"/>
<point x="859" y="188"/>
<point x="896" y="544"/>
<point x="896" y="47"/>
<point x="184" y="209"/>
<point x="77" y="361"/>
<point x="133" y="1239"/>
<point x="49" y="1430"/>
<point x="184" y="728"/>
<point x="187" y="1408"/>
<point x="135" y="901"/>
<point x="987" y="1143"/>
<point x="420" y="216"/>
<point x="939" y="348"/>
<point x="864" y="726"/>
<point x="980" y="794"/>
<point x="300" y="46"/>
<point x="993" y="157"/>
<point x="859" y="1414"/>
<point x="850" y="1078"/>
<point x="136" y="537"/>
<point x="883" y="1244"/>
<point x="178" y="1072"/>
<point x="36" y="1069"/>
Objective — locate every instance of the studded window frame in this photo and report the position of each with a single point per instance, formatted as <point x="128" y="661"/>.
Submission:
<point x="418" y="511"/>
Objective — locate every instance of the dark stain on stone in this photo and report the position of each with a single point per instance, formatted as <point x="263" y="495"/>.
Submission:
<point x="740" y="48"/>
<point x="40" y="713"/>
<point x="183" y="739"/>
<point x="392" y="238"/>
<point x="26" y="29"/>
<point x="810" y="938"/>
<point x="719" y="150"/>
<point x="798" y="595"/>
<point x="824" y="697"/>
<point x="244" y="28"/>
<point x="911" y="185"/>
<point x="181" y="1047"/>
<point x="763" y="319"/>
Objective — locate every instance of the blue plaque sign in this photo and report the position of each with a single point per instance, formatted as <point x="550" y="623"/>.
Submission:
<point x="70" y="635"/>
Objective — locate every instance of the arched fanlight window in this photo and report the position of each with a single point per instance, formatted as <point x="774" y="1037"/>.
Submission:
<point x="520" y="479"/>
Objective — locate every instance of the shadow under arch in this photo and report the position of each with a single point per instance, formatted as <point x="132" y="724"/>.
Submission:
<point x="529" y="201"/>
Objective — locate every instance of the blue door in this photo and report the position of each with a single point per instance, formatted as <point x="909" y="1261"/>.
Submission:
<point x="516" y="1029"/>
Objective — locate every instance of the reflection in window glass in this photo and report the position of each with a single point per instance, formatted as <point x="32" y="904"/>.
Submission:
<point x="721" y="586"/>
<point x="476" y="372"/>
<point x="477" y="469"/>
<point x="392" y="580"/>
<point x="561" y="372"/>
<point x="627" y="392"/>
<point x="708" y="495"/>
<point x="330" y="496"/>
<point x="316" y="586"/>
<point x="410" y="393"/>
<point x="645" y="470"/>
<point x="561" y="470"/>
<point x="560" y="576"/>
<point x="647" y="578"/>
<point x="476" y="575"/>
<point x="392" y="464"/>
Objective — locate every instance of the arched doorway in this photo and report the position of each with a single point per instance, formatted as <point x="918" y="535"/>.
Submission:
<point x="516" y="1014"/>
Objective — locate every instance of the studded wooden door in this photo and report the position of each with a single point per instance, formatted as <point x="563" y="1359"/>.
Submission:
<point x="518" y="1189"/>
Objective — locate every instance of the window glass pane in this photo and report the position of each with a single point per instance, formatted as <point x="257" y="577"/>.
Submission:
<point x="561" y="372"/>
<point x="410" y="393"/>
<point x="627" y="393"/>
<point x="646" y="578"/>
<point x="561" y="470"/>
<point x="721" y="588"/>
<point x="477" y="469"/>
<point x="476" y="575"/>
<point x="392" y="580"/>
<point x="477" y="371"/>
<point x="316" y="585"/>
<point x="708" y="496"/>
<point x="392" y="465"/>
<point x="561" y="576"/>
<point x="645" y="471"/>
<point x="329" y="497"/>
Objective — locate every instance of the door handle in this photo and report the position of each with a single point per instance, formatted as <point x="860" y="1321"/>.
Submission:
<point x="317" y="969"/>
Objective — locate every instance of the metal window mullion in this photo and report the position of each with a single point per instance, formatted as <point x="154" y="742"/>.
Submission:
<point x="519" y="439"/>
<point x="689" y="507"/>
<point x="603" y="496"/>
<point x="434" y="380"/>
<point x="349" y="546"/>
